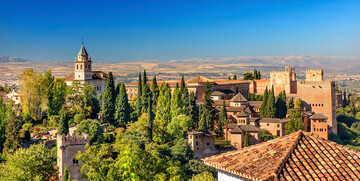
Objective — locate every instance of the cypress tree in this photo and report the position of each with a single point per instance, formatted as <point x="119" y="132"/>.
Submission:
<point x="66" y="175"/>
<point x="222" y="117"/>
<point x="12" y="142"/>
<point x="202" y="119"/>
<point x="271" y="108"/>
<point x="281" y="108"/>
<point x="263" y="111"/>
<point x="163" y="115"/>
<point x="150" y="121"/>
<point x="234" y="77"/>
<point x="155" y="91"/>
<point x="229" y="78"/>
<point x="176" y="104"/>
<point x="182" y="85"/>
<point x="192" y="110"/>
<point x="117" y="89"/>
<point x="258" y="75"/>
<point x="108" y="98"/>
<point x="290" y="104"/>
<point x="146" y="94"/>
<point x="345" y="101"/>
<point x="207" y="107"/>
<point x="255" y="74"/>
<point x="246" y="140"/>
<point x="139" y="95"/>
<point x="63" y="127"/>
<point x="122" y="108"/>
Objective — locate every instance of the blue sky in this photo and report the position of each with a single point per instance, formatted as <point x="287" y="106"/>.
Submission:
<point x="125" y="31"/>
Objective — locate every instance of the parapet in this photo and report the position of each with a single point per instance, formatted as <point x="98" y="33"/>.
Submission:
<point x="316" y="83"/>
<point x="74" y="139"/>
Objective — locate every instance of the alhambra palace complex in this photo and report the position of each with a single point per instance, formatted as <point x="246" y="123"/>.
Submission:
<point x="318" y="98"/>
<point x="319" y="103"/>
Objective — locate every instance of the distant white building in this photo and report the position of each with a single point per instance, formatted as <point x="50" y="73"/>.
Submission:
<point x="15" y="96"/>
<point x="84" y="74"/>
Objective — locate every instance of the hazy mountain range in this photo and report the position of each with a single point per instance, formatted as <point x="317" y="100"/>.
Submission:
<point x="12" y="59"/>
<point x="331" y="64"/>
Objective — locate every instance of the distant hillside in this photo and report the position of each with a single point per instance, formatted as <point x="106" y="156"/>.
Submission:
<point x="6" y="58"/>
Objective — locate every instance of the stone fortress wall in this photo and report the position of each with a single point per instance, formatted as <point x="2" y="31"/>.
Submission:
<point x="67" y="147"/>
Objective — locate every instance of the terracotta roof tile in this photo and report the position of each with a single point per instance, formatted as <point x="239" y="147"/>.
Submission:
<point x="239" y="98"/>
<point x="318" y="116"/>
<point x="298" y="156"/>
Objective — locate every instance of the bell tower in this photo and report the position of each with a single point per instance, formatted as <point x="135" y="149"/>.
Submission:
<point x="83" y="65"/>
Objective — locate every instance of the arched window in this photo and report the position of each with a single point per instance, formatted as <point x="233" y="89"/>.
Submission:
<point x="80" y="67"/>
<point x="77" y="67"/>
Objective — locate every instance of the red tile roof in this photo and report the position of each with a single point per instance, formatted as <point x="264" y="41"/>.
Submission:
<point x="298" y="156"/>
<point x="239" y="98"/>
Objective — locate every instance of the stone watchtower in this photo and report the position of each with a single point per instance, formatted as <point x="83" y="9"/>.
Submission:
<point x="67" y="148"/>
<point x="83" y="65"/>
<point x="314" y="75"/>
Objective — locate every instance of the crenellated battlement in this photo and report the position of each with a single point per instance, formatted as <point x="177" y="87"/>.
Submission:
<point x="74" y="139"/>
<point x="316" y="83"/>
<point x="314" y="70"/>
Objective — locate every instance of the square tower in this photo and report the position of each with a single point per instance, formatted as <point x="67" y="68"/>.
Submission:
<point x="82" y="65"/>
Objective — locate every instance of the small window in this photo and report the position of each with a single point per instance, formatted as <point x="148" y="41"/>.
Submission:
<point x="80" y="67"/>
<point x="197" y="143"/>
<point x="75" y="162"/>
<point x="268" y="124"/>
<point x="278" y="125"/>
<point x="207" y="144"/>
<point x="190" y="136"/>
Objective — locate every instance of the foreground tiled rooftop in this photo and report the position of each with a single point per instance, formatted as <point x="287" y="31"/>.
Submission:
<point x="298" y="156"/>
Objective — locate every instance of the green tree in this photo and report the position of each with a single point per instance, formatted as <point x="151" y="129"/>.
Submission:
<point x="66" y="175"/>
<point x="56" y="96"/>
<point x="163" y="114"/>
<point x="248" y="76"/>
<point x="207" y="107"/>
<point x="246" y="139"/>
<point x="296" y="119"/>
<point x="108" y="98"/>
<point x="176" y="102"/>
<point x="255" y="74"/>
<point x="3" y="121"/>
<point x="290" y="104"/>
<point x="223" y="119"/>
<point x="82" y="99"/>
<point x="34" y="163"/>
<point x="193" y="111"/>
<point x="205" y="176"/>
<point x="202" y="126"/>
<point x="32" y="99"/>
<point x="93" y="129"/>
<point x="117" y="89"/>
<point x="139" y="96"/>
<point x="122" y="107"/>
<point x="150" y="122"/>
<point x="281" y="108"/>
<point x="181" y="151"/>
<point x="12" y="142"/>
<point x="271" y="107"/>
<point x="146" y="97"/>
<point x="265" y="135"/>
<point x="63" y="127"/>
<point x="155" y="91"/>
<point x="234" y="77"/>
<point x="179" y="126"/>
<point x="263" y="109"/>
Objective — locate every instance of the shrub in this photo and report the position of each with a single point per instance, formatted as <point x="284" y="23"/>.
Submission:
<point x="36" y="128"/>
<point x="27" y="125"/>
<point x="78" y="118"/>
<point x="25" y="134"/>
<point x="54" y="120"/>
<point x="110" y="128"/>
<point x="27" y="117"/>
<point x="109" y="137"/>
